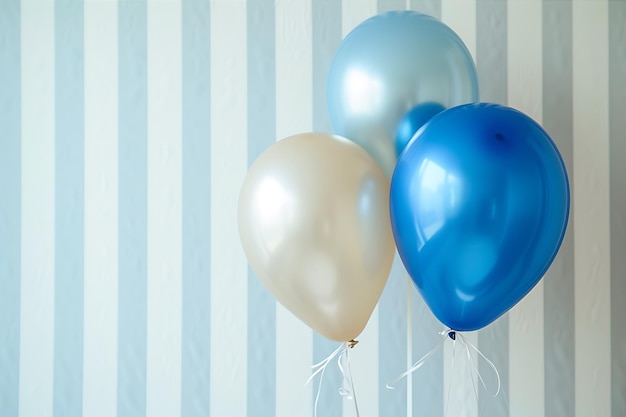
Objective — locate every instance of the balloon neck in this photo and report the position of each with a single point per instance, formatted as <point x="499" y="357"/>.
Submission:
<point x="452" y="335"/>
<point x="352" y="343"/>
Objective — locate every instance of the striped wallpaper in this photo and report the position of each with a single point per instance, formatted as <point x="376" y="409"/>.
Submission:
<point x="126" y="129"/>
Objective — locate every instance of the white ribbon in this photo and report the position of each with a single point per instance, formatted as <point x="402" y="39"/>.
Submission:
<point x="469" y="345"/>
<point x="346" y="389"/>
<point x="421" y="361"/>
<point x="448" y="333"/>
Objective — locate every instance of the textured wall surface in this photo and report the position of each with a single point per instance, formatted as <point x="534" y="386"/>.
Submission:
<point x="126" y="129"/>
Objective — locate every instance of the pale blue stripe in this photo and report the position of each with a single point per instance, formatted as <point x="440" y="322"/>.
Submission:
<point x="617" y="90"/>
<point x="430" y="7"/>
<point x="326" y="36"/>
<point x="133" y="173"/>
<point x="196" y="195"/>
<point x="69" y="213"/>
<point x="491" y="65"/>
<point x="10" y="205"/>
<point x="392" y="339"/>
<point x="491" y="52"/>
<point x="261" y="135"/>
<point x="330" y="402"/>
<point x="428" y="381"/>
<point x="559" y="326"/>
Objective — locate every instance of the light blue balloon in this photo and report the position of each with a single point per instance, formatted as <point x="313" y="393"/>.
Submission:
<point x="479" y="206"/>
<point x="386" y="66"/>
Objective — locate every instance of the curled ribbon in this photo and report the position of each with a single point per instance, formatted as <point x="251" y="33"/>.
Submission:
<point x="346" y="389"/>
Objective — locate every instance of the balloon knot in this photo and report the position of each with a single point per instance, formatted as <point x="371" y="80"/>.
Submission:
<point x="452" y="335"/>
<point x="352" y="343"/>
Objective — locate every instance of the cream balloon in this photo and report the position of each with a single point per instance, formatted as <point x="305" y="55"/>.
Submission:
<point x="314" y="224"/>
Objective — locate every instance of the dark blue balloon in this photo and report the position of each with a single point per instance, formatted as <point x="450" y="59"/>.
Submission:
<point x="413" y="120"/>
<point x="479" y="206"/>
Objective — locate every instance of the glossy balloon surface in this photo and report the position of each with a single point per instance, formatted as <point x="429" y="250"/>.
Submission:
<point x="314" y="223"/>
<point x="479" y="206"/>
<point x="412" y="121"/>
<point x="387" y="65"/>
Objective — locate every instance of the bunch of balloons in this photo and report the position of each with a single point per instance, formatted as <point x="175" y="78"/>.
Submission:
<point x="475" y="196"/>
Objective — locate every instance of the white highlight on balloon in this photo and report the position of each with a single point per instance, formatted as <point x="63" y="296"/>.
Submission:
<point x="272" y="200"/>
<point x="363" y="91"/>
<point x="433" y="177"/>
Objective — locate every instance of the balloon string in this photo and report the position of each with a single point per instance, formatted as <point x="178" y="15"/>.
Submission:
<point x="445" y="411"/>
<point x="320" y="368"/>
<point x="469" y="345"/>
<point x="472" y="371"/>
<point x="420" y="362"/>
<point x="347" y="386"/>
<point x="448" y="333"/>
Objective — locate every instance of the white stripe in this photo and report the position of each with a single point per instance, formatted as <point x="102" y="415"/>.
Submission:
<point x="294" y="61"/>
<point x="163" y="388"/>
<point x="294" y="100"/>
<point x="37" y="264"/>
<point x="591" y="215"/>
<point x="409" y="339"/>
<point x="101" y="208"/>
<point x="364" y="364"/>
<point x="229" y="273"/>
<point x="526" y="340"/>
<point x="364" y="357"/>
<point x="354" y="12"/>
<point x="460" y="15"/>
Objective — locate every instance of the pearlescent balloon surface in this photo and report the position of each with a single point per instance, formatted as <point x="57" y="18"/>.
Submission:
<point x="314" y="224"/>
<point x="386" y="66"/>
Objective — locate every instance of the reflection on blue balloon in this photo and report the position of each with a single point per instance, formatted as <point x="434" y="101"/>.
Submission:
<point x="413" y="120"/>
<point x="479" y="206"/>
<point x="387" y="65"/>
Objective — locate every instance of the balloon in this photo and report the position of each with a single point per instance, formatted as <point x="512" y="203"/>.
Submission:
<point x="314" y="223"/>
<point x="412" y="121"/>
<point x="479" y="205"/>
<point x="387" y="65"/>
